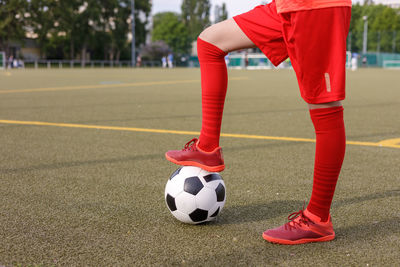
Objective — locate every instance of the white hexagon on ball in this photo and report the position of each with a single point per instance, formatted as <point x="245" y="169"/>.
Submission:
<point x="185" y="202"/>
<point x="206" y="198"/>
<point x="183" y="217"/>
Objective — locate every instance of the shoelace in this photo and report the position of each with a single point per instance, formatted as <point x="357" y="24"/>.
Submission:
<point x="191" y="145"/>
<point x="302" y="219"/>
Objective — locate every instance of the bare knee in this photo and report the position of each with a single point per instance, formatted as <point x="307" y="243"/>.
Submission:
<point x="205" y="34"/>
<point x="227" y="36"/>
<point x="325" y="105"/>
<point x="210" y="35"/>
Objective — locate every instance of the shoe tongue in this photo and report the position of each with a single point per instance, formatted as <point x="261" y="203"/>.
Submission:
<point x="311" y="216"/>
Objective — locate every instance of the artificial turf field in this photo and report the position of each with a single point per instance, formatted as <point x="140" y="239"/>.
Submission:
<point x="72" y="194"/>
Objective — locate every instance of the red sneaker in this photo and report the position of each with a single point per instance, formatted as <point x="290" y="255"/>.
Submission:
<point x="303" y="227"/>
<point x="192" y="155"/>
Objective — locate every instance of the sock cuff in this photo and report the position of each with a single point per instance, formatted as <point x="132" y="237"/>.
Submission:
<point x="208" y="52"/>
<point x="327" y="118"/>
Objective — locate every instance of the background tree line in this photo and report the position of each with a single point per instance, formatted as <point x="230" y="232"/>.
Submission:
<point x="67" y="29"/>
<point x="74" y="28"/>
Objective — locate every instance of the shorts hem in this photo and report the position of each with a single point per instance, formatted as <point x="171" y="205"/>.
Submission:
<point x="253" y="38"/>
<point x="322" y="100"/>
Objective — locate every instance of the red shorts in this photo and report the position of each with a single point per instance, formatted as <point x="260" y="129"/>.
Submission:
<point x="315" y="41"/>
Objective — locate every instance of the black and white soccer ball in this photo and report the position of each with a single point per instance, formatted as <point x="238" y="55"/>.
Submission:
<point x="194" y="195"/>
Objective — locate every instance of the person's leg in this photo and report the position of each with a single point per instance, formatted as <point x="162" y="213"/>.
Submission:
<point x="318" y="55"/>
<point x="329" y="154"/>
<point x="314" y="224"/>
<point x="212" y="46"/>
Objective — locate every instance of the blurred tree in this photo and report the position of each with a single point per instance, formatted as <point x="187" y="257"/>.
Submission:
<point x="356" y="15"/>
<point x="142" y="13"/>
<point x="43" y="27"/>
<point x="155" y="51"/>
<point x="383" y="28"/>
<point x="386" y="23"/>
<point x="115" y="26"/>
<point x="196" y="16"/>
<point x="122" y="27"/>
<point x="12" y="23"/>
<point x="168" y="27"/>
<point x="77" y="26"/>
<point x="71" y="23"/>
<point x="221" y="13"/>
<point x="371" y="11"/>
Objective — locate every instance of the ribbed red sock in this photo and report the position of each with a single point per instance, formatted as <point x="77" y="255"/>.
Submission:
<point x="329" y="155"/>
<point x="214" y="82"/>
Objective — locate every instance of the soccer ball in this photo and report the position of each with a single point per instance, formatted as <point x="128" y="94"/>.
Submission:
<point x="194" y="195"/>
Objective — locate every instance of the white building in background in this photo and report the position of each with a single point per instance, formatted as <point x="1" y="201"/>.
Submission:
<point x="391" y="3"/>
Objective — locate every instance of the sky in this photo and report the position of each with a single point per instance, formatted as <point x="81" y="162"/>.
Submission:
<point x="235" y="7"/>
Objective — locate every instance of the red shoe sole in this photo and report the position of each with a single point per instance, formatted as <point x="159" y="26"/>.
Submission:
<point x="300" y="241"/>
<point x="218" y="168"/>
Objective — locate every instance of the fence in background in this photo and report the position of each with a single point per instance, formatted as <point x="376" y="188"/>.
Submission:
<point x="234" y="60"/>
<point x="2" y="60"/>
<point x="380" y="60"/>
<point x="61" y="64"/>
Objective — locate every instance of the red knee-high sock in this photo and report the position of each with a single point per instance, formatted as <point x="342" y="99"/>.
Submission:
<point x="329" y="155"/>
<point x="214" y="82"/>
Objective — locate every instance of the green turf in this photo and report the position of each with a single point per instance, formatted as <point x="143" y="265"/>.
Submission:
<point x="95" y="197"/>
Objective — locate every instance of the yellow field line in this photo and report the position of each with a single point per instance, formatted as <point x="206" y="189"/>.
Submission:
<point x="385" y="143"/>
<point x="7" y="73"/>
<point x="98" y="86"/>
<point x="390" y="142"/>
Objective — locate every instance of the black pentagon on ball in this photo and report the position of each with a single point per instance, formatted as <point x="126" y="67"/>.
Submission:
<point x="198" y="215"/>
<point x="176" y="172"/>
<point x="215" y="213"/>
<point x="220" y="190"/>
<point x="212" y="177"/>
<point x="193" y="185"/>
<point x="171" y="202"/>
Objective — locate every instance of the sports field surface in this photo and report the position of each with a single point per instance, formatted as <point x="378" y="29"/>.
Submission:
<point x="82" y="169"/>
